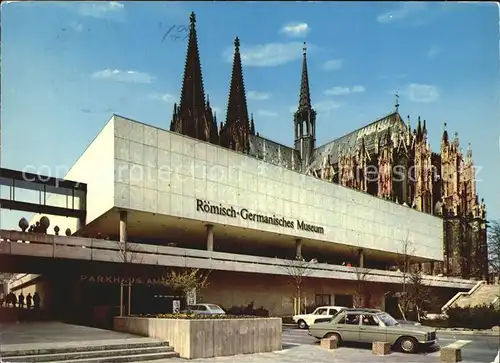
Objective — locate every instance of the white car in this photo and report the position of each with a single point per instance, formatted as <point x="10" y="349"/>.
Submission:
<point x="323" y="312"/>
<point x="204" y="309"/>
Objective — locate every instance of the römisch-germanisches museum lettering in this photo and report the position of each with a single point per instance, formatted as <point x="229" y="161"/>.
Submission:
<point x="229" y="211"/>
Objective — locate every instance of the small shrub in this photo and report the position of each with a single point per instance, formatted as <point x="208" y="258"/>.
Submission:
<point x="436" y="323"/>
<point x="197" y="316"/>
<point x="248" y="310"/>
<point x="478" y="317"/>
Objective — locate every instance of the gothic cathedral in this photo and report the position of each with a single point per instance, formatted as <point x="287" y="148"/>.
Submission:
<point x="386" y="158"/>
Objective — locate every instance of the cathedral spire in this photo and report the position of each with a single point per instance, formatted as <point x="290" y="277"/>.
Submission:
<point x="237" y="111"/>
<point x="193" y="93"/>
<point x="444" y="138"/>
<point x="237" y="127"/>
<point x="192" y="117"/>
<point x="305" y="95"/>
<point x="252" y="125"/>
<point x="304" y="119"/>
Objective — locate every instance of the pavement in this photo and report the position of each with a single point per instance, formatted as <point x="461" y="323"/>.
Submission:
<point x="316" y="354"/>
<point x="476" y="348"/>
<point x="298" y="346"/>
<point x="55" y="335"/>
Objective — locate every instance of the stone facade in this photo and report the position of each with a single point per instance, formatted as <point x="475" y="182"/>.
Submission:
<point x="387" y="158"/>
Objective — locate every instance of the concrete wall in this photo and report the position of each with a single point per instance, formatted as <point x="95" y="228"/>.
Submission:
<point x="208" y="338"/>
<point x="95" y="167"/>
<point x="162" y="172"/>
<point x="61" y="247"/>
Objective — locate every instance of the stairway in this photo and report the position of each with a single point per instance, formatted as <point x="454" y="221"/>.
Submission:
<point x="126" y="350"/>
<point x="486" y="294"/>
<point x="481" y="294"/>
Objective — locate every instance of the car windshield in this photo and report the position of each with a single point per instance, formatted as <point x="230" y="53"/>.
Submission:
<point x="387" y="319"/>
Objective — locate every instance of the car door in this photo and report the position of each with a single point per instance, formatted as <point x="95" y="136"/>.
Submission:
<point x="318" y="313"/>
<point x="202" y="310"/>
<point x="348" y="327"/>
<point x="370" y="330"/>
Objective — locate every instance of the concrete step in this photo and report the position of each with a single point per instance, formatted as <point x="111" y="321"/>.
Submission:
<point x="97" y="355"/>
<point x="84" y="346"/>
<point x="120" y="359"/>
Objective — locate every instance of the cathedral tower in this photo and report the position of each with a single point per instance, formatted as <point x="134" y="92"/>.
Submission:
<point x="193" y="117"/>
<point x="305" y="118"/>
<point x="234" y="134"/>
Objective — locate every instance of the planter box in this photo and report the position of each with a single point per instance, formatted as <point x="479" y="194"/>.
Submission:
<point x="206" y="338"/>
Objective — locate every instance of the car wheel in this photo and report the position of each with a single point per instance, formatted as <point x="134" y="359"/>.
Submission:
<point x="408" y="345"/>
<point x="334" y="336"/>
<point x="302" y="324"/>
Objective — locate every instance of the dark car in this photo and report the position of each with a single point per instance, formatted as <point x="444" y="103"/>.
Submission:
<point x="371" y="325"/>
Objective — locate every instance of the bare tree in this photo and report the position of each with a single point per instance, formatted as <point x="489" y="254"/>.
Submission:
<point x="128" y="253"/>
<point x="494" y="247"/>
<point x="419" y="294"/>
<point x="416" y="294"/>
<point x="405" y="253"/>
<point x="185" y="281"/>
<point x="361" y="274"/>
<point x="298" y="269"/>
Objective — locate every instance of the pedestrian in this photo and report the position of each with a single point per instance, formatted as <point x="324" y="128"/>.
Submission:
<point x="21" y="300"/>
<point x="29" y="300"/>
<point x="12" y="299"/>
<point x="36" y="301"/>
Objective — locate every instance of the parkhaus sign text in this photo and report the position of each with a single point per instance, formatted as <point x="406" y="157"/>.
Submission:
<point x="203" y="206"/>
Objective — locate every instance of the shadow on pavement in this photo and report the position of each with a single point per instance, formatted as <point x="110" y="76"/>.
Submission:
<point x="366" y="346"/>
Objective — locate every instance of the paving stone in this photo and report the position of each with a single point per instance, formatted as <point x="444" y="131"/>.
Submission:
<point x="381" y="348"/>
<point x="329" y="343"/>
<point x="451" y="355"/>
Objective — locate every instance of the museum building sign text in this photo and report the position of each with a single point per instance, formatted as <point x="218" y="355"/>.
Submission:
<point x="229" y="211"/>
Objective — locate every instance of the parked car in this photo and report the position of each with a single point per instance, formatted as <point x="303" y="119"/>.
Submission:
<point x="323" y="312"/>
<point x="204" y="309"/>
<point x="371" y="325"/>
<point x="408" y="322"/>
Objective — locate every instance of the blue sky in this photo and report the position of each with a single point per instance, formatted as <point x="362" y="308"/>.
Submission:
<point x="66" y="67"/>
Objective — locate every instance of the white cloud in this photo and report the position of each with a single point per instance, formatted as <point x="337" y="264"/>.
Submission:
<point x="165" y="97"/>
<point x="433" y="52"/>
<point x="268" y="55"/>
<point x="296" y="30"/>
<point x="339" y="91"/>
<point x="266" y="113"/>
<point x="101" y="9"/>
<point x="77" y="27"/>
<point x="323" y="107"/>
<point x="259" y="96"/>
<point x="326" y="106"/>
<point x="421" y="93"/>
<point x="332" y="65"/>
<point x="402" y="11"/>
<point x="123" y="76"/>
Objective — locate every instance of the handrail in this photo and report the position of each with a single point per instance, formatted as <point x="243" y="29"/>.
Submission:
<point x="87" y="249"/>
<point x="458" y="295"/>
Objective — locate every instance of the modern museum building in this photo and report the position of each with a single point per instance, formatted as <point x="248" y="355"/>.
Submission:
<point x="222" y="198"/>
